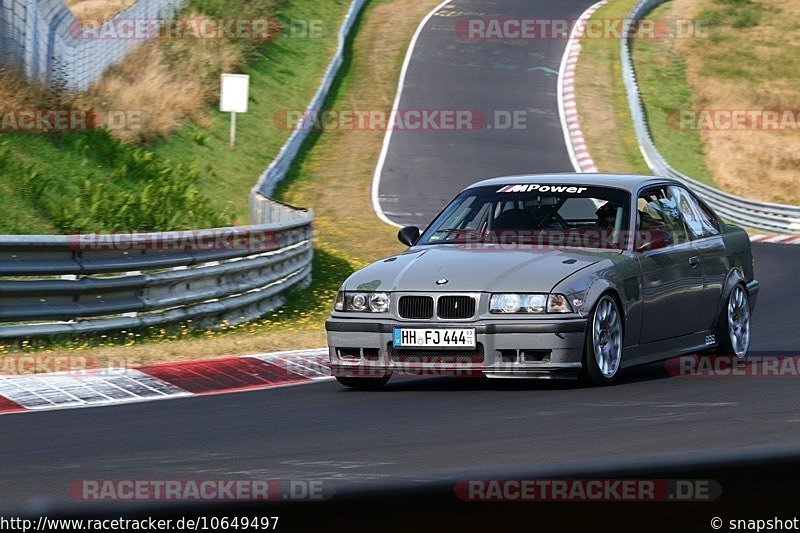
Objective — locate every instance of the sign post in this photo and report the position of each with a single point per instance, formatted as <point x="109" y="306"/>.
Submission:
<point x="234" y="92"/>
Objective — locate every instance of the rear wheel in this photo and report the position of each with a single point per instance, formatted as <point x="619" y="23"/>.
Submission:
<point x="733" y="329"/>
<point x="603" y="356"/>
<point x="363" y="383"/>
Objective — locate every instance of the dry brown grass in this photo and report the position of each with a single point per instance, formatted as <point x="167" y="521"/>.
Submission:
<point x="755" y="164"/>
<point x="167" y="83"/>
<point x="17" y="93"/>
<point x="98" y="9"/>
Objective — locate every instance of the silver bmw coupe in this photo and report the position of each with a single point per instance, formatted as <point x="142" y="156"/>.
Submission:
<point x="561" y="275"/>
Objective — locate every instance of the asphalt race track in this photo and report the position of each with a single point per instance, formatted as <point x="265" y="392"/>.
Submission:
<point x="424" y="169"/>
<point x="420" y="430"/>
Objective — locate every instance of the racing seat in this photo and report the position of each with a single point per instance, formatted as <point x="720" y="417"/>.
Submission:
<point x="647" y="223"/>
<point x="513" y="219"/>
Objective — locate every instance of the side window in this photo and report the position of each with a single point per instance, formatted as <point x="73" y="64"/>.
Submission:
<point x="658" y="212"/>
<point x="712" y="219"/>
<point x="698" y="220"/>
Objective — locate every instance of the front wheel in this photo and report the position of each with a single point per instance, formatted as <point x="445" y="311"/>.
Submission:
<point x="603" y="356"/>
<point x="363" y="383"/>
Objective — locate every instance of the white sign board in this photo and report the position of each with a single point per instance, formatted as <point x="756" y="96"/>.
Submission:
<point x="234" y="93"/>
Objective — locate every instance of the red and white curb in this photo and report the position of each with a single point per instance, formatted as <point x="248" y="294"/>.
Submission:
<point x="570" y="121"/>
<point x="40" y="392"/>
<point x="776" y="239"/>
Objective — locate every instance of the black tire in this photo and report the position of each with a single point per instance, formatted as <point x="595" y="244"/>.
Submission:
<point x="592" y="373"/>
<point x="363" y="383"/>
<point x="728" y="329"/>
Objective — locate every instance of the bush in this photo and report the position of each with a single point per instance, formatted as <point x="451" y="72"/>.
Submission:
<point x="139" y="193"/>
<point x="142" y="193"/>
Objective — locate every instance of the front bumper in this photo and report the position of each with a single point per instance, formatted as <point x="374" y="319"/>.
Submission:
<point x="506" y="349"/>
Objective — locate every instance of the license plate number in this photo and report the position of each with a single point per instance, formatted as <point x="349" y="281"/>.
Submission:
<point x="434" y="338"/>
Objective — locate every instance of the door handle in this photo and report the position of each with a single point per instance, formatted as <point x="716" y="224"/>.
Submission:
<point x="694" y="261"/>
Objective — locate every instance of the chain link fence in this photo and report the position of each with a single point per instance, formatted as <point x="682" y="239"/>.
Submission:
<point x="44" y="39"/>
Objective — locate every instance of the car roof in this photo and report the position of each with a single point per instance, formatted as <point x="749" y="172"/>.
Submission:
<point x="628" y="182"/>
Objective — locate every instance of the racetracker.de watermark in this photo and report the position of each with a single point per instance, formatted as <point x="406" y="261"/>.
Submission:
<point x="206" y="490"/>
<point x="233" y="239"/>
<point x="587" y="490"/>
<point x="139" y="490"/>
<point x="75" y="365"/>
<point x="396" y="120"/>
<point x="735" y="119"/>
<point x="731" y="366"/>
<point x="414" y="120"/>
<point x="599" y="239"/>
<point x="39" y="364"/>
<point x="69" y="120"/>
<point x="195" y="29"/>
<point x="492" y="29"/>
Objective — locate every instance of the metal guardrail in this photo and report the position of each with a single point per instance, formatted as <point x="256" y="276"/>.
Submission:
<point x="71" y="285"/>
<point x="74" y="284"/>
<point x="752" y="213"/>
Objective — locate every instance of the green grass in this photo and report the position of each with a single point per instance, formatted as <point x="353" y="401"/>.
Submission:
<point x="78" y="181"/>
<point x="284" y="76"/>
<point x="761" y="59"/>
<point x="665" y="90"/>
<point x="94" y="182"/>
<point x="736" y="13"/>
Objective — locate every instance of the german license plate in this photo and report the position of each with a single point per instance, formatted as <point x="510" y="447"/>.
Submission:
<point x="434" y="338"/>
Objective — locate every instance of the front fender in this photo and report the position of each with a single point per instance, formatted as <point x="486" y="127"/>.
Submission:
<point x="623" y="283"/>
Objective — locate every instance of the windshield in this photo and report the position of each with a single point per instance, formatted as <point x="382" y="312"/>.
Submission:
<point x="550" y="215"/>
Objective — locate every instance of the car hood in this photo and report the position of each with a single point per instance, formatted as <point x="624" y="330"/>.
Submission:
<point x="474" y="270"/>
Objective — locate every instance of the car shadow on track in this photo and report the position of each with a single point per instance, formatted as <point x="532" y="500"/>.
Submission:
<point x="651" y="372"/>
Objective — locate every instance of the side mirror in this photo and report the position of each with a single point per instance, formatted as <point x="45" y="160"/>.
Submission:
<point x="652" y="240"/>
<point x="408" y="235"/>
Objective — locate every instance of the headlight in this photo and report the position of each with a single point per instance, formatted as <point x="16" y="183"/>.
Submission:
<point x="505" y="303"/>
<point x="358" y="302"/>
<point x="513" y="303"/>
<point x="362" y="302"/>
<point x="379" y="302"/>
